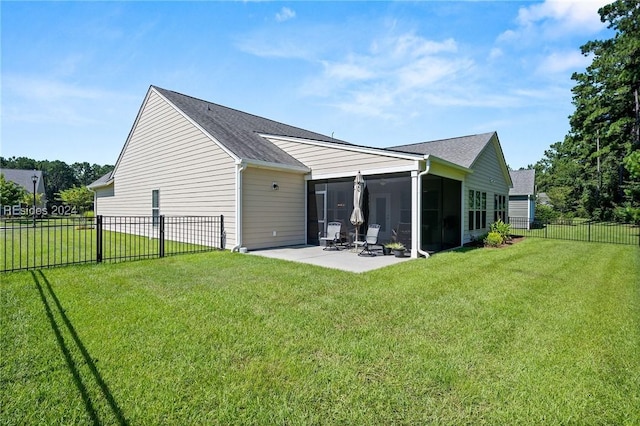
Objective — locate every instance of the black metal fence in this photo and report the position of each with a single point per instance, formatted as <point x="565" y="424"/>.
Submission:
<point x="61" y="241"/>
<point x="577" y="230"/>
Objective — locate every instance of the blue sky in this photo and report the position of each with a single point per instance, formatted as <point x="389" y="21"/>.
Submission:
<point x="74" y="74"/>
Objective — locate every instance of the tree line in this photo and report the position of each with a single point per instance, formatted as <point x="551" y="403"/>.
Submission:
<point x="595" y="171"/>
<point x="63" y="182"/>
<point x="58" y="175"/>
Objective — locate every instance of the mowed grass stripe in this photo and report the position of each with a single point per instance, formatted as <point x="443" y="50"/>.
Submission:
<point x="540" y="332"/>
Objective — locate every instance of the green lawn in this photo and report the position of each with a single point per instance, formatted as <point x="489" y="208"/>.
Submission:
<point x="542" y="332"/>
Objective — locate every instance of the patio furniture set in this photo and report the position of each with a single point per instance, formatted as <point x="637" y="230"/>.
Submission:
<point x="335" y="239"/>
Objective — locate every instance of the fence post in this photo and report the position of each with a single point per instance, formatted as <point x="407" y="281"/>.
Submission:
<point x="589" y="232"/>
<point x="221" y="232"/>
<point x="99" y="238"/>
<point x="161" y="236"/>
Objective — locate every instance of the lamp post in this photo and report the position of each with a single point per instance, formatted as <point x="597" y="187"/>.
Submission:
<point x="34" y="179"/>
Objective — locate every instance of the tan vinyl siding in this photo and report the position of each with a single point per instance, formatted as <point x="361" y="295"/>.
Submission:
<point x="265" y="210"/>
<point x="487" y="176"/>
<point x="104" y="192"/>
<point x="329" y="160"/>
<point x="167" y="152"/>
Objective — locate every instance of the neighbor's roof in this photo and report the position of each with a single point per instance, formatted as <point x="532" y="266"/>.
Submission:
<point x="239" y="131"/>
<point x="101" y="181"/>
<point x="524" y="182"/>
<point x="462" y="150"/>
<point x="23" y="177"/>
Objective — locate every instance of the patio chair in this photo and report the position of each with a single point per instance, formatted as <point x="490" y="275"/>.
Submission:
<point x="333" y="236"/>
<point x="370" y="239"/>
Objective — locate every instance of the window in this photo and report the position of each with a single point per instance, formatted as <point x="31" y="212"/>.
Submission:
<point x="500" y="207"/>
<point x="155" y="206"/>
<point x="477" y="210"/>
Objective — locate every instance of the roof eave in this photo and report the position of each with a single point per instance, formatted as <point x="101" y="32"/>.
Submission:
<point x="274" y="166"/>
<point x="100" y="185"/>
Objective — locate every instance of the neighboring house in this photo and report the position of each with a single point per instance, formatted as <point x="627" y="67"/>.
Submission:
<point x="24" y="178"/>
<point x="543" y="199"/>
<point x="279" y="185"/>
<point x="522" y="198"/>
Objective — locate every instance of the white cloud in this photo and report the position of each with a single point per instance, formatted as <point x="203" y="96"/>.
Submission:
<point x="561" y="62"/>
<point x="556" y="18"/>
<point x="495" y="53"/>
<point x="386" y="80"/>
<point x="285" y="14"/>
<point x="568" y="14"/>
<point x="47" y="90"/>
<point x="346" y="71"/>
<point x="37" y="100"/>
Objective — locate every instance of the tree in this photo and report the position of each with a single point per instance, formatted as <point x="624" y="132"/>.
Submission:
<point x="86" y="173"/>
<point x="19" y="163"/>
<point x="11" y="193"/>
<point x="58" y="175"/>
<point x="78" y="197"/>
<point x="27" y="199"/>
<point x="604" y="129"/>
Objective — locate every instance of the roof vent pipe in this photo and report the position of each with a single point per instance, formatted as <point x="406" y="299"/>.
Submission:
<point x="420" y="175"/>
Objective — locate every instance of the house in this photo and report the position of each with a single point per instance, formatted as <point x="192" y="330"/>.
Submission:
<point x="522" y="198"/>
<point x="26" y="178"/>
<point x="279" y="185"/>
<point x="543" y="199"/>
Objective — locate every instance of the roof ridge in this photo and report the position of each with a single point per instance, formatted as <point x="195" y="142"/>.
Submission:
<point x="250" y="114"/>
<point x="445" y="139"/>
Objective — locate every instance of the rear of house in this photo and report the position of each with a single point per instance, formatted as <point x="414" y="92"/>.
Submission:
<point x="278" y="185"/>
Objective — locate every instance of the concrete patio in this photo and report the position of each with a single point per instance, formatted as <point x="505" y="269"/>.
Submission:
<point x="344" y="259"/>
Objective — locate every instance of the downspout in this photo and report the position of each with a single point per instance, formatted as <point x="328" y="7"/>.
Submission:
<point x="420" y="175"/>
<point x="240" y="167"/>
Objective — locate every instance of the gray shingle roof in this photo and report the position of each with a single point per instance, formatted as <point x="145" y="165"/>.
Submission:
<point x="524" y="182"/>
<point x="23" y="178"/>
<point x="102" y="180"/>
<point x="239" y="131"/>
<point x="462" y="150"/>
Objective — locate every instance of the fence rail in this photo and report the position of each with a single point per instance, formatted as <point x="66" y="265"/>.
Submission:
<point x="577" y="230"/>
<point x="62" y="241"/>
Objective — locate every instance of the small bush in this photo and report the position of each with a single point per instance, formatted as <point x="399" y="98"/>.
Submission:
<point x="493" y="239"/>
<point x="545" y="213"/>
<point x="504" y="229"/>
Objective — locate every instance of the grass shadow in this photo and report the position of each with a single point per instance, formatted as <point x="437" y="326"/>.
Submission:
<point x="66" y="352"/>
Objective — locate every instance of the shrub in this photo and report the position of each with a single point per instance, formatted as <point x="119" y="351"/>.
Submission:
<point x="545" y="213"/>
<point x="501" y="228"/>
<point x="493" y="239"/>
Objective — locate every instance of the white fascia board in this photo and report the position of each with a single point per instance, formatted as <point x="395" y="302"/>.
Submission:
<point x="364" y="172"/>
<point x="196" y="125"/>
<point x="345" y="147"/>
<point x="275" y="166"/>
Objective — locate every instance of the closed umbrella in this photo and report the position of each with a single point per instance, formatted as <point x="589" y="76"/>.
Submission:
<point x="357" y="217"/>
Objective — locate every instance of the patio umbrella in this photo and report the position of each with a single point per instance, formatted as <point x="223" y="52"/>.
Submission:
<point x="357" y="217"/>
